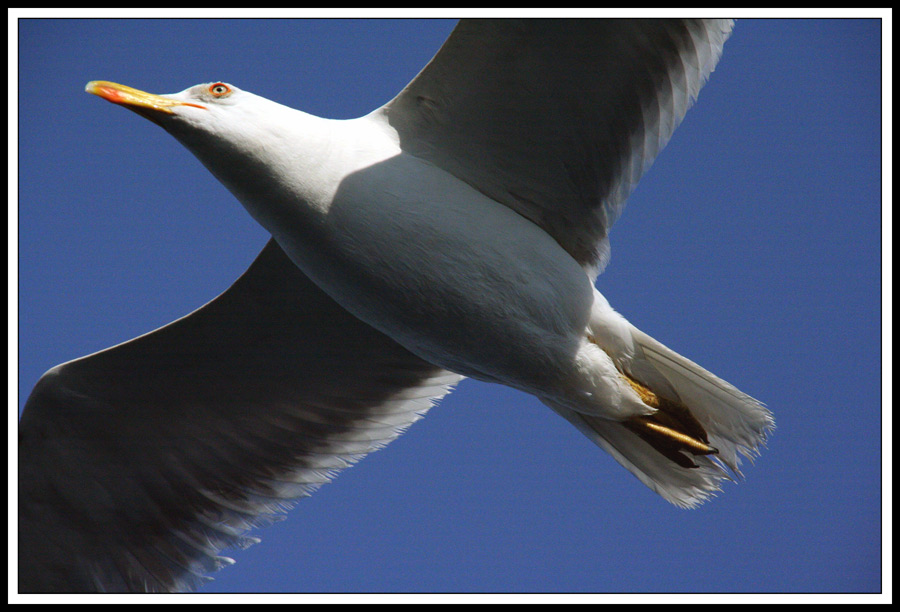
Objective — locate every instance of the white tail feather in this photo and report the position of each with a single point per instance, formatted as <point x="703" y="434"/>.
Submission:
<point x="735" y="423"/>
<point x="684" y="487"/>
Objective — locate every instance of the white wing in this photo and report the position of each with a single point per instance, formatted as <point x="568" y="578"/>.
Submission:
<point x="557" y="119"/>
<point x="139" y="463"/>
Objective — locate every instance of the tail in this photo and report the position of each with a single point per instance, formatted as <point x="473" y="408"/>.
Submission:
<point x="701" y="425"/>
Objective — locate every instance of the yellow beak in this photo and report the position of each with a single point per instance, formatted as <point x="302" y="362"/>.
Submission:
<point x="135" y="99"/>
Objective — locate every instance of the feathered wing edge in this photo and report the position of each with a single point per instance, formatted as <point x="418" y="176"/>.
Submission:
<point x="737" y="425"/>
<point x="700" y="47"/>
<point x="138" y="464"/>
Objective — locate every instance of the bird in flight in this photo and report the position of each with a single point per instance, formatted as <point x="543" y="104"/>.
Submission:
<point x="454" y="232"/>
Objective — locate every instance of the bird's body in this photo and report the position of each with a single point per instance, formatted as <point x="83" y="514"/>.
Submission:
<point x="452" y="275"/>
<point x="456" y="231"/>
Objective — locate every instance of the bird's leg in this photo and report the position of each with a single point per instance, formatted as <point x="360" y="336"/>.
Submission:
<point x="669" y="430"/>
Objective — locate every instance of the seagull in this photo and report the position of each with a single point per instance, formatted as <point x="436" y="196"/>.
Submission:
<point x="454" y="232"/>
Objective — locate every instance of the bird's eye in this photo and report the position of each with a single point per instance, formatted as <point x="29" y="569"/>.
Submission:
<point x="219" y="89"/>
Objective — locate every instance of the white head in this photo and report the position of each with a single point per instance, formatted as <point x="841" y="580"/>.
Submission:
<point x="210" y="117"/>
<point x="251" y="144"/>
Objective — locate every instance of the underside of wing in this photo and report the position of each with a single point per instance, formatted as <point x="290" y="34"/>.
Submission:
<point x="557" y="119"/>
<point x="138" y="464"/>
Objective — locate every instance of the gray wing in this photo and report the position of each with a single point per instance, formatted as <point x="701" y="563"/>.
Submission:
<point x="557" y="119"/>
<point x="139" y="463"/>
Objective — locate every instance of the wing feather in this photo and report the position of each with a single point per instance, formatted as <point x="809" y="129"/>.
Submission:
<point x="138" y="464"/>
<point x="557" y="119"/>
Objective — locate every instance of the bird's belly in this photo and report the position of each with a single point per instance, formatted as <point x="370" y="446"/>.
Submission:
<point x="452" y="275"/>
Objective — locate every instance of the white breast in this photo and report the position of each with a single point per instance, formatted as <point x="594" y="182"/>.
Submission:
<point x="456" y="277"/>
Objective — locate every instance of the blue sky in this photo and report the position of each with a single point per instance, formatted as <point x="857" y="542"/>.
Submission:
<point x="753" y="246"/>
